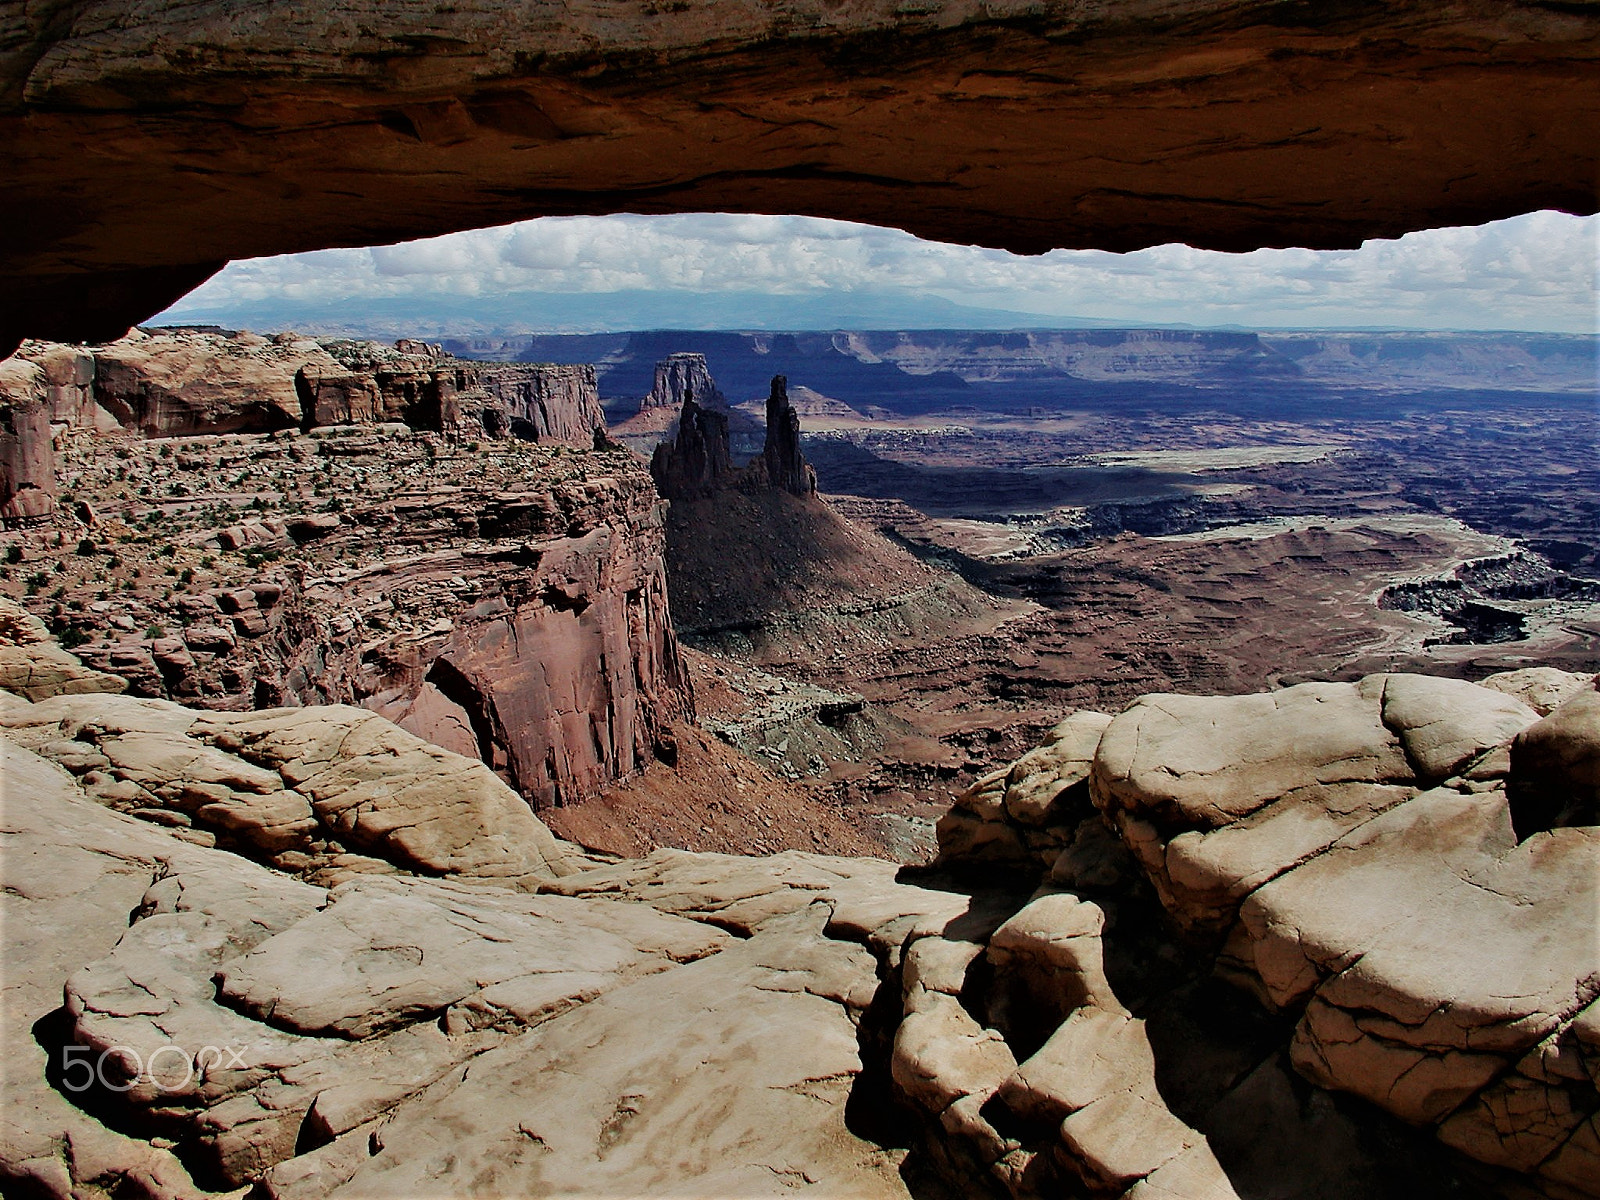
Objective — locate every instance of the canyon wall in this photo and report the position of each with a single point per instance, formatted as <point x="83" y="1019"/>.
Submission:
<point x="525" y="625"/>
<point x="352" y="545"/>
<point x="544" y="402"/>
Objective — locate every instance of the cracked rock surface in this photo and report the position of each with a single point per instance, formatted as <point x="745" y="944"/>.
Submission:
<point x="1309" y="953"/>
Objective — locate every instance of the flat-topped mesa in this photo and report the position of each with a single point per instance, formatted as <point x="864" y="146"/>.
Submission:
<point x="697" y="461"/>
<point x="678" y="376"/>
<point x="784" y="466"/>
<point x="185" y="382"/>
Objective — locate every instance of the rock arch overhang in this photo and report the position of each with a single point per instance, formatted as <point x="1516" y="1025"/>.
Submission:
<point x="149" y="142"/>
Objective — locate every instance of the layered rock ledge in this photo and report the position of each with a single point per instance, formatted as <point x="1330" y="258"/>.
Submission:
<point x="151" y="143"/>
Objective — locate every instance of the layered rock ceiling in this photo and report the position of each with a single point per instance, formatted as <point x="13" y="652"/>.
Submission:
<point x="148" y="143"/>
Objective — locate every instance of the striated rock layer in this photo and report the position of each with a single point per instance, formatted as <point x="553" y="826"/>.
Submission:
<point x="1015" y="123"/>
<point x="189" y="382"/>
<point x="508" y="603"/>
<point x="680" y="376"/>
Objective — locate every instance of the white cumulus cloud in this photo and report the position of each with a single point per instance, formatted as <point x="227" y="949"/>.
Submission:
<point x="1536" y="271"/>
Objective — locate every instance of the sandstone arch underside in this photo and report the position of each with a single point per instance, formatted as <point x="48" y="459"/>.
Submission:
<point x="147" y="143"/>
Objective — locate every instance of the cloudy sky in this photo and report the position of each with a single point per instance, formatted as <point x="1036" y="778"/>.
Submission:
<point x="1535" y="272"/>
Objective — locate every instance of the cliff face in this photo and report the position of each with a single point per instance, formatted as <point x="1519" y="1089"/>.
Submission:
<point x="510" y="599"/>
<point x="544" y="402"/>
<point x="184" y="383"/>
<point x="167" y="384"/>
<point x="1018" y="123"/>
<point x="524" y="624"/>
<point x="27" y="457"/>
<point x="411" y="382"/>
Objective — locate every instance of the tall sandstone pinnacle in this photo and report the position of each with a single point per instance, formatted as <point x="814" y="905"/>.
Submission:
<point x="785" y="466"/>
<point x="698" y="463"/>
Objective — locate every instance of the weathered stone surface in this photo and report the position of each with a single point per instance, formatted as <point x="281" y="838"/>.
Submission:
<point x="385" y="953"/>
<point x="1029" y="811"/>
<point x="172" y="384"/>
<point x="1026" y="125"/>
<point x="1543" y="689"/>
<point x="365" y="383"/>
<point x="1555" y="768"/>
<point x="1083" y="1110"/>
<point x="1445" y="723"/>
<point x="695" y="1024"/>
<point x="1215" y="796"/>
<point x="723" y="1077"/>
<point x="680" y="377"/>
<point x="398" y="1034"/>
<point x="513" y="610"/>
<point x="298" y="787"/>
<point x="541" y="402"/>
<point x="35" y="667"/>
<point x="697" y="462"/>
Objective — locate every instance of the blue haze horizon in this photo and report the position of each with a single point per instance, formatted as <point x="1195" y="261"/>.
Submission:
<point x="717" y="271"/>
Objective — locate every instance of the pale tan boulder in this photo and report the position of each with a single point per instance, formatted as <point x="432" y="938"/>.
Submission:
<point x="1445" y="723"/>
<point x="1543" y="689"/>
<point x="1092" y="1054"/>
<point x="1123" y="1137"/>
<point x="1555" y="768"/>
<point x="942" y="1055"/>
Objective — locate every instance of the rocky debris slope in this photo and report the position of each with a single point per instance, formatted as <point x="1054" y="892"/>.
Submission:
<point x="1019" y="123"/>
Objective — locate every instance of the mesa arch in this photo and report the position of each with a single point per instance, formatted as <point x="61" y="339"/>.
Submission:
<point x="147" y="143"/>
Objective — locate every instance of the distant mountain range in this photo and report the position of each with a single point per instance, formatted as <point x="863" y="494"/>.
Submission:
<point x="928" y="369"/>
<point x="592" y="312"/>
